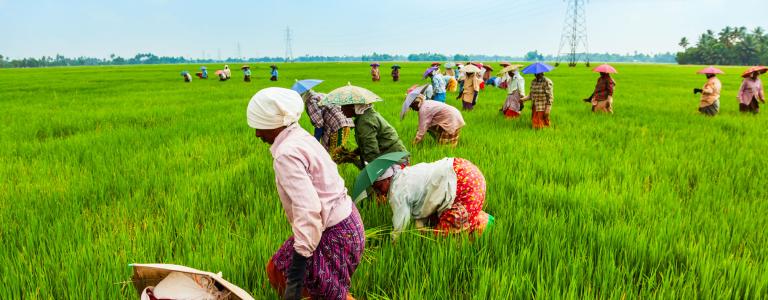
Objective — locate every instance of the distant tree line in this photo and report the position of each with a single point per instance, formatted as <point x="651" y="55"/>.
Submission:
<point x="731" y="46"/>
<point x="149" y="58"/>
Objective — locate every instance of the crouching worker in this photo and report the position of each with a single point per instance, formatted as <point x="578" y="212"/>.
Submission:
<point x="328" y="235"/>
<point x="203" y="74"/>
<point x="447" y="195"/>
<point x="442" y="121"/>
<point x="187" y="76"/>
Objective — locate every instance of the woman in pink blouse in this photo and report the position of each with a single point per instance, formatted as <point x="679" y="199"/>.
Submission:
<point x="328" y="236"/>
<point x="751" y="91"/>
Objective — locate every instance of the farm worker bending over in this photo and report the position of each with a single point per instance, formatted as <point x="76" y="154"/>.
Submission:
<point x="273" y="73"/>
<point x="710" y="93"/>
<point x="333" y="125"/>
<point x="227" y="72"/>
<point x="203" y="74"/>
<point x="373" y="134"/>
<point x="515" y="85"/>
<point x="751" y="90"/>
<point x="187" y="76"/>
<point x="448" y="194"/>
<point x="442" y="121"/>
<point x="328" y="235"/>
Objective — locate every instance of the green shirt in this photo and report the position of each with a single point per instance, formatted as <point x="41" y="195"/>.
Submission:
<point x="374" y="136"/>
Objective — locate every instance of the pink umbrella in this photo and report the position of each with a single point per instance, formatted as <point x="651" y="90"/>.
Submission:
<point x="606" y="68"/>
<point x="751" y="70"/>
<point x="710" y="70"/>
<point x="218" y="72"/>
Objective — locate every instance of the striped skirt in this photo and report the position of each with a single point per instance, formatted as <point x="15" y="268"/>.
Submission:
<point x="466" y="214"/>
<point x="444" y="137"/>
<point x="710" y="110"/>
<point x="752" y="107"/>
<point x="332" y="264"/>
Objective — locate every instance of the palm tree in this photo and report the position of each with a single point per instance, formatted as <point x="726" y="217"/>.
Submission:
<point x="725" y="36"/>
<point x="684" y="43"/>
<point x="748" y="51"/>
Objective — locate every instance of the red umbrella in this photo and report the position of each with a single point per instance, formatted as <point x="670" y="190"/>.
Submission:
<point x="710" y="70"/>
<point x="606" y="68"/>
<point x="435" y="64"/>
<point x="751" y="70"/>
<point x="479" y="65"/>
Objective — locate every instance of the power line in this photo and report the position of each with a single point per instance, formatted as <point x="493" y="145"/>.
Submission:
<point x="288" y="48"/>
<point x="574" y="36"/>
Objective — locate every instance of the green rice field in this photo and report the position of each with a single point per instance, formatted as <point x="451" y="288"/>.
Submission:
<point x="101" y="167"/>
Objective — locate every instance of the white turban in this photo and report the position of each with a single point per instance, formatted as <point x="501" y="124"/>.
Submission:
<point x="274" y="107"/>
<point x="389" y="172"/>
<point x="361" y="108"/>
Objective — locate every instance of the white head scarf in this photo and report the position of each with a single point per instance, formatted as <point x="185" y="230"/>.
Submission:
<point x="389" y="172"/>
<point x="274" y="107"/>
<point x="361" y="108"/>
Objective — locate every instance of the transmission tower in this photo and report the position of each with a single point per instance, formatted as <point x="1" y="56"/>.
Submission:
<point x="288" y="48"/>
<point x="574" y="34"/>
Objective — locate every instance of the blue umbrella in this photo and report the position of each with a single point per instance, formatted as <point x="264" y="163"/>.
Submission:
<point x="538" y="68"/>
<point x="302" y="86"/>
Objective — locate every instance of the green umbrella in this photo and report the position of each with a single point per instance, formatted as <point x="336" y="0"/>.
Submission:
<point x="350" y="94"/>
<point x="372" y="171"/>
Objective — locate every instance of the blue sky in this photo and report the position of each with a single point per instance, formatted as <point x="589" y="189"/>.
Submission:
<point x="507" y="27"/>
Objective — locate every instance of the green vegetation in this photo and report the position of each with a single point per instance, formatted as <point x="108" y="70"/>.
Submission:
<point x="731" y="46"/>
<point x="105" y="166"/>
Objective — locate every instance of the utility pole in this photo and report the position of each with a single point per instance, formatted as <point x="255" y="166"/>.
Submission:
<point x="574" y="35"/>
<point x="239" y="53"/>
<point x="288" y="48"/>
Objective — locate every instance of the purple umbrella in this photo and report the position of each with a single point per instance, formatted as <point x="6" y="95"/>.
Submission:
<point x="429" y="71"/>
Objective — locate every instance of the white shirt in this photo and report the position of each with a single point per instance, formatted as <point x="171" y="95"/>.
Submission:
<point x="516" y="83"/>
<point x="421" y="190"/>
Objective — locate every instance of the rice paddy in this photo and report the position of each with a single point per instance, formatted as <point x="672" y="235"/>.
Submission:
<point x="105" y="166"/>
